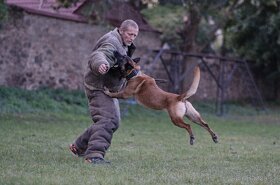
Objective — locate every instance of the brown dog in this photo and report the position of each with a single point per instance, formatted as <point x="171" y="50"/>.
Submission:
<point x="147" y="93"/>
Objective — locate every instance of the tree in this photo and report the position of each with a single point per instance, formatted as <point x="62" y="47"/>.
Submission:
<point x="253" y="32"/>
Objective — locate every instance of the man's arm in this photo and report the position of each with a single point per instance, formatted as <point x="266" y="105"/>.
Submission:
<point x="102" y="59"/>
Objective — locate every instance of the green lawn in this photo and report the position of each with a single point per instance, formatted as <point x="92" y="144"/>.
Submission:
<point x="147" y="149"/>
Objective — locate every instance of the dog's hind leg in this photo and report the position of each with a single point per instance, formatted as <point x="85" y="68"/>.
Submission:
<point x="179" y="121"/>
<point x="195" y="117"/>
<point x="202" y="123"/>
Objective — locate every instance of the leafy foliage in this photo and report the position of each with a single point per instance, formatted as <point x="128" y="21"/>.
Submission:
<point x="176" y="19"/>
<point x="253" y="32"/>
<point x="250" y="30"/>
<point x="3" y="10"/>
<point x="168" y="19"/>
<point x="67" y="3"/>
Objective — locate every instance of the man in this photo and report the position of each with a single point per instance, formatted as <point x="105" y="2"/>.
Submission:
<point x="105" y="112"/>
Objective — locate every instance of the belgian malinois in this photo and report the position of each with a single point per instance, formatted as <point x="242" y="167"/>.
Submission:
<point x="147" y="93"/>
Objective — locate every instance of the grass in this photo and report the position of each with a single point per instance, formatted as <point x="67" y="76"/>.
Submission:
<point x="147" y="148"/>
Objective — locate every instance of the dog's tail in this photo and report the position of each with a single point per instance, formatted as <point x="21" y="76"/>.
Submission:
<point x="192" y="90"/>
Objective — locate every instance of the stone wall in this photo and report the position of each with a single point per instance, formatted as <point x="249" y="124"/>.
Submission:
<point x="38" y="51"/>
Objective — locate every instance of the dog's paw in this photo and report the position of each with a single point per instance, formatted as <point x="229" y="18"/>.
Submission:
<point x="215" y="138"/>
<point x="106" y="91"/>
<point x="192" y="139"/>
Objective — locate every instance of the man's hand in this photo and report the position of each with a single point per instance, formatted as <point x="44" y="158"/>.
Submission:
<point x="103" y="68"/>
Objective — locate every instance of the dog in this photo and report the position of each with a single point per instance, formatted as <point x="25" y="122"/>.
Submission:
<point x="145" y="90"/>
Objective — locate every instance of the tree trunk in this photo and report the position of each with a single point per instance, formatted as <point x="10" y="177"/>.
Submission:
<point x="188" y="34"/>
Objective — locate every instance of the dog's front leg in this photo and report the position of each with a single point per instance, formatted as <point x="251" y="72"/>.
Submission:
<point x="131" y="89"/>
<point x="121" y="95"/>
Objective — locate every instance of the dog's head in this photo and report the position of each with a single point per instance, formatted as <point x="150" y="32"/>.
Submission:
<point x="126" y="64"/>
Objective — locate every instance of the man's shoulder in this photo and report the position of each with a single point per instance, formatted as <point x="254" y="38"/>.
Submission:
<point x="112" y="37"/>
<point x="113" y="40"/>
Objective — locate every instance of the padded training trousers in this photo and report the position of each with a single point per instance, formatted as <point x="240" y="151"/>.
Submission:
<point x="105" y="113"/>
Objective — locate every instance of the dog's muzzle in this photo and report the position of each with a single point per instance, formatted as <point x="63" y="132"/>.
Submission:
<point x="132" y="74"/>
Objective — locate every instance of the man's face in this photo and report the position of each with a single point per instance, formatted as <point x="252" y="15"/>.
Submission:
<point x="129" y="35"/>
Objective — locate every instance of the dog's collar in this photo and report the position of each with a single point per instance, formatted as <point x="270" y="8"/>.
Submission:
<point x="132" y="74"/>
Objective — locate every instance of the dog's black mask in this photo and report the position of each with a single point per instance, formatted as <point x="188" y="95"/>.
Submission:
<point x="123" y="64"/>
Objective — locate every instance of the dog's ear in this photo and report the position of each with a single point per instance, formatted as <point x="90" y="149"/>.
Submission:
<point x="136" y="60"/>
<point x="117" y="54"/>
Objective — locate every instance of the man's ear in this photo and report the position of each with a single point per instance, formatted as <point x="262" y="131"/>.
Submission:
<point x="136" y="60"/>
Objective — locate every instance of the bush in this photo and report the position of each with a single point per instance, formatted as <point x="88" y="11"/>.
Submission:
<point x="17" y="100"/>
